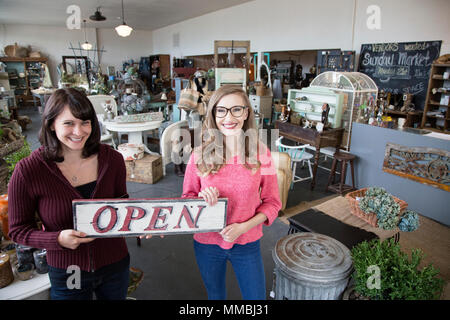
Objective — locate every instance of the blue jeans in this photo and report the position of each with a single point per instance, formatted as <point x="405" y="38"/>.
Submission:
<point x="247" y="264"/>
<point x="108" y="283"/>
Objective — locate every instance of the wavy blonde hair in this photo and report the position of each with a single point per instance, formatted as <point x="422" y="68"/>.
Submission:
<point x="211" y="155"/>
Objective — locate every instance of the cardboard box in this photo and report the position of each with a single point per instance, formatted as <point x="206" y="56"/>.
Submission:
<point x="146" y="170"/>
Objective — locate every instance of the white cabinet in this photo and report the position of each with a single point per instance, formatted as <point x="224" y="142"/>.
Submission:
<point x="262" y="104"/>
<point x="308" y="103"/>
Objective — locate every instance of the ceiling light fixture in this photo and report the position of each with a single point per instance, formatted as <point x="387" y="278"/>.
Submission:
<point x="97" y="16"/>
<point x="123" y="30"/>
<point x="86" y="45"/>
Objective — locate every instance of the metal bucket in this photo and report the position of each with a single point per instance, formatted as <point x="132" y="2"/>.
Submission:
<point x="310" y="266"/>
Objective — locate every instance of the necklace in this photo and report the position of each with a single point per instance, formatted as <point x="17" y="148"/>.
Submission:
<point x="69" y="173"/>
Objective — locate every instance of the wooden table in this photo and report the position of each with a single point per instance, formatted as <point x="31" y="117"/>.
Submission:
<point x="339" y="209"/>
<point x="327" y="138"/>
<point x="36" y="288"/>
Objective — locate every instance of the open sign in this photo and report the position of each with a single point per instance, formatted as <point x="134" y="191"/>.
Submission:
<point x="133" y="217"/>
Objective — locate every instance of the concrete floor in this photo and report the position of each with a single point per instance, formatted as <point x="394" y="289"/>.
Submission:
<point x="169" y="265"/>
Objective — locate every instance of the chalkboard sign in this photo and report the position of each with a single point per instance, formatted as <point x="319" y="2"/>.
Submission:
<point x="400" y="67"/>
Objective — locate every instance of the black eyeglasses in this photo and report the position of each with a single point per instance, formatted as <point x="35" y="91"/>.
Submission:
<point x="236" y="111"/>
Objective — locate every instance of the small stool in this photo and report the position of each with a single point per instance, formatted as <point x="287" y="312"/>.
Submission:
<point x="341" y="187"/>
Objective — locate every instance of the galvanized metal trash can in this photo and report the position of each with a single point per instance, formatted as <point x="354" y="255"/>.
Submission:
<point x="310" y="266"/>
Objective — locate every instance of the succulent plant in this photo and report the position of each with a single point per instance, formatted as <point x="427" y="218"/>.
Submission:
<point x="409" y="221"/>
<point x="377" y="200"/>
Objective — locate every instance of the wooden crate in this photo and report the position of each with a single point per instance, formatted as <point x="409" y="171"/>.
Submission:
<point x="146" y="170"/>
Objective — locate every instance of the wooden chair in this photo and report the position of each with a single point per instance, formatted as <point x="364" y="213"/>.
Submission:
<point x="282" y="163"/>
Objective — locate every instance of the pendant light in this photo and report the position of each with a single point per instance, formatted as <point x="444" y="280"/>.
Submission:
<point x="86" y="45"/>
<point x="97" y="16"/>
<point x="123" y="30"/>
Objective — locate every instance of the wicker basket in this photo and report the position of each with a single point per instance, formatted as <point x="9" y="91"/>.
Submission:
<point x="6" y="274"/>
<point x="16" y="51"/>
<point x="370" y="218"/>
<point x="11" y="147"/>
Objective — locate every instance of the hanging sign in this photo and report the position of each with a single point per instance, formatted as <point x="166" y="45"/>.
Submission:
<point x="134" y="217"/>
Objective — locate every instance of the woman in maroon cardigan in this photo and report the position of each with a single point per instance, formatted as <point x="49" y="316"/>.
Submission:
<point x="70" y="164"/>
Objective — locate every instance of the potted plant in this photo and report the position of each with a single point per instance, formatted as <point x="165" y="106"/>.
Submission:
<point x="381" y="209"/>
<point x="384" y="272"/>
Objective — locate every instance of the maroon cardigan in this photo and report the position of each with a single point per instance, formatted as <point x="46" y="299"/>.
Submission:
<point x="39" y="186"/>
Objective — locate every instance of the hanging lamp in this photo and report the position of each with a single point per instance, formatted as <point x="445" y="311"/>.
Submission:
<point x="123" y="30"/>
<point x="97" y="16"/>
<point x="86" y="45"/>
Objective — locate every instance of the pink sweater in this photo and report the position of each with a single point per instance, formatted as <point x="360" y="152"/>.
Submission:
<point x="241" y="187"/>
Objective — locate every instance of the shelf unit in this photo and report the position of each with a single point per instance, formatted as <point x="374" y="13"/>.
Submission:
<point x="436" y="114"/>
<point x="311" y="106"/>
<point x="412" y="118"/>
<point x="32" y="70"/>
<point x="154" y="70"/>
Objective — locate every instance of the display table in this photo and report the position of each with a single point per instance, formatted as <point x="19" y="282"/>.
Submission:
<point x="35" y="288"/>
<point x="339" y="209"/>
<point x="134" y="130"/>
<point x="327" y="138"/>
<point x="318" y="222"/>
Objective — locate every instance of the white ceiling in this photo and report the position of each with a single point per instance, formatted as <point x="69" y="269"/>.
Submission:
<point x="139" y="14"/>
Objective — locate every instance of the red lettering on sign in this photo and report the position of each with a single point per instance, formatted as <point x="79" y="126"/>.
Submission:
<point x="158" y="216"/>
<point x="188" y="217"/>
<point x="112" y="220"/>
<point x="129" y="217"/>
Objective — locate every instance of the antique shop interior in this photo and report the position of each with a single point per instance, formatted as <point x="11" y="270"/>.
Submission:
<point x="352" y="98"/>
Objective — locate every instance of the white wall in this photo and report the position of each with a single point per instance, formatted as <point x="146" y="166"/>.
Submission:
<point x="54" y="42"/>
<point x="405" y="21"/>
<point x="302" y="25"/>
<point x="270" y="26"/>
<point x="118" y="49"/>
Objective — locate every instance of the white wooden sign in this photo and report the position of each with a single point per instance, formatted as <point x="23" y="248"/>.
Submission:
<point x="133" y="217"/>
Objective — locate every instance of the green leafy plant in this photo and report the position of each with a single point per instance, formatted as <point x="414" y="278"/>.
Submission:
<point x="399" y="276"/>
<point x="13" y="158"/>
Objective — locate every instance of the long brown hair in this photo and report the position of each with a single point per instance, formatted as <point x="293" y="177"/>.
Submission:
<point x="81" y="108"/>
<point x="211" y="154"/>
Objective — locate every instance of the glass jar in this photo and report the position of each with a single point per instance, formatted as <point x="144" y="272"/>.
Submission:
<point x="40" y="261"/>
<point x="24" y="254"/>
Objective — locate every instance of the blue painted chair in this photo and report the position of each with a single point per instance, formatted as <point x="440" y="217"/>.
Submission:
<point x="297" y="154"/>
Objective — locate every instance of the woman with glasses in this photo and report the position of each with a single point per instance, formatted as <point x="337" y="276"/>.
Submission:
<point x="232" y="163"/>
